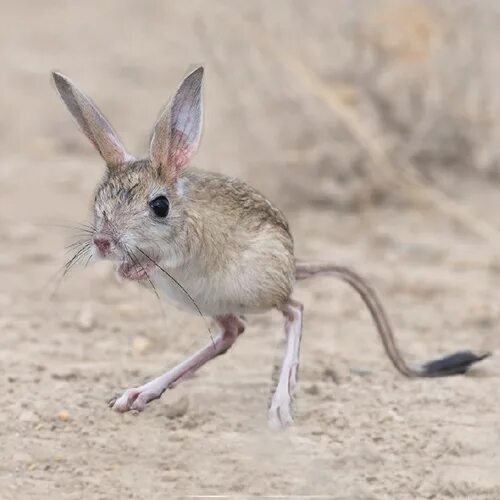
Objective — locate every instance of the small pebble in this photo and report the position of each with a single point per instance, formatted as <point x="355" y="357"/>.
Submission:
<point x="64" y="416"/>
<point x="85" y="319"/>
<point x="140" y="345"/>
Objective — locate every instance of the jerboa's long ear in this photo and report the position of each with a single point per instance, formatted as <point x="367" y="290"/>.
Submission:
<point x="92" y="122"/>
<point x="176" y="134"/>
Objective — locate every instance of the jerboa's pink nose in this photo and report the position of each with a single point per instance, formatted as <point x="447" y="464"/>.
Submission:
<point x="103" y="243"/>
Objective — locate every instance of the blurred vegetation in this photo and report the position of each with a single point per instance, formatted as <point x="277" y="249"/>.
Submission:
<point x="421" y="77"/>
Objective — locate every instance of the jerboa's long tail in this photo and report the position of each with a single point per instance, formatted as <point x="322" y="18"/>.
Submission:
<point x="453" y="364"/>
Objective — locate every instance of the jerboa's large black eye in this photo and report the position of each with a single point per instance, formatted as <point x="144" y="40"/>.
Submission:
<point x="160" y="206"/>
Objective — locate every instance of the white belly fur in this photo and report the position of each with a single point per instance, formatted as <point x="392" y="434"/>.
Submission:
<point x="214" y="295"/>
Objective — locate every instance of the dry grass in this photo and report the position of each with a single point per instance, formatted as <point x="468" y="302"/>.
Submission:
<point x="386" y="175"/>
<point x="420" y="77"/>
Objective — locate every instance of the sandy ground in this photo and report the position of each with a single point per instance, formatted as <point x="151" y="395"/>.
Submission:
<point x="362" y="431"/>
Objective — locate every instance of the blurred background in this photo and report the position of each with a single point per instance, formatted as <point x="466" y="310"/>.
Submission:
<point x="375" y="125"/>
<point x="421" y="78"/>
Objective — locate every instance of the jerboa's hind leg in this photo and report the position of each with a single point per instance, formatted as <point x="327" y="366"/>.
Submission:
<point x="280" y="413"/>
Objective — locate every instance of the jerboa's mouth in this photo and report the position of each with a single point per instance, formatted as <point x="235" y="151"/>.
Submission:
<point x="136" y="271"/>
